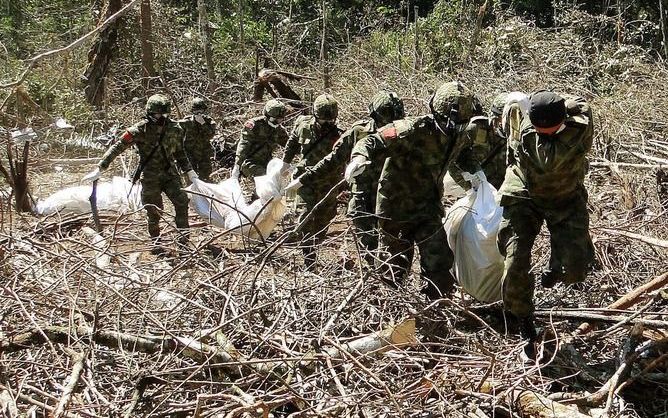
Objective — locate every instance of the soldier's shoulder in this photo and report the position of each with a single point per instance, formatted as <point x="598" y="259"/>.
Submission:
<point x="253" y="123"/>
<point x="400" y="128"/>
<point x="304" y="121"/>
<point x="138" y="127"/>
<point x="366" y="125"/>
<point x="478" y="122"/>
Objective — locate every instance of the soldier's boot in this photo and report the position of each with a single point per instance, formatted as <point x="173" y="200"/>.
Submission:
<point x="439" y="286"/>
<point x="549" y="278"/>
<point x="530" y="336"/>
<point x="309" y="257"/>
<point x="156" y="244"/>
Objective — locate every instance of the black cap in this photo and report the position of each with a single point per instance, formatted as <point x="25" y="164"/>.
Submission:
<point x="546" y="109"/>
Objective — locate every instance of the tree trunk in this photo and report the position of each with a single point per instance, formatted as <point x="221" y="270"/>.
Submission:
<point x="99" y="57"/>
<point x="324" y="65"/>
<point x="664" y="31"/>
<point x="148" y="68"/>
<point x="206" y="41"/>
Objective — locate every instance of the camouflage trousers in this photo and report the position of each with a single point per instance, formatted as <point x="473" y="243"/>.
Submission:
<point x="202" y="166"/>
<point x="315" y="228"/>
<point x="571" y="248"/>
<point x="396" y="242"/>
<point x="361" y="208"/>
<point x="153" y="185"/>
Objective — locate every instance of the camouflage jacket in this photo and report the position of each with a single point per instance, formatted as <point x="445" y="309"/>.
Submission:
<point x="197" y="140"/>
<point x="334" y="162"/>
<point x="257" y="145"/>
<point x="488" y="147"/>
<point x="550" y="167"/>
<point x="308" y="140"/>
<point x="145" y="136"/>
<point x="410" y="185"/>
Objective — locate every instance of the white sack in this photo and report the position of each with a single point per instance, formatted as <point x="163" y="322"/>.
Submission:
<point x="228" y="209"/>
<point x="472" y="225"/>
<point x="110" y="196"/>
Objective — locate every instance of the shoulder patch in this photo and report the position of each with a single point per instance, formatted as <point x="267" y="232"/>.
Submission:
<point x="127" y="137"/>
<point x="390" y="134"/>
<point x="249" y="124"/>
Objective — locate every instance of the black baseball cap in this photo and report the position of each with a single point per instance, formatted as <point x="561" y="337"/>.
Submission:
<point x="546" y="109"/>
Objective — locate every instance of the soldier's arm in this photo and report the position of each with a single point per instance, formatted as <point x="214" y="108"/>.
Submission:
<point x="292" y="146"/>
<point x="386" y="139"/>
<point x="244" y="148"/>
<point x="579" y="111"/>
<point x="281" y="136"/>
<point x="335" y="160"/>
<point x="129" y="138"/>
<point x="180" y="154"/>
<point x="463" y="158"/>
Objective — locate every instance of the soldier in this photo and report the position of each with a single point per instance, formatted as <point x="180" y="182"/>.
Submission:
<point x="259" y="138"/>
<point x="544" y="182"/>
<point x="199" y="129"/>
<point x="488" y="145"/>
<point x="159" y="143"/>
<point x="409" y="209"/>
<point x="314" y="137"/>
<point x="384" y="108"/>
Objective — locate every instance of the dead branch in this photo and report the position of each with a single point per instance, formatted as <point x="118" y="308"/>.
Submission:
<point x="79" y="364"/>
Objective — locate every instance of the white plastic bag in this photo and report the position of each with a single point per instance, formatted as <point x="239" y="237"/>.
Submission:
<point x="472" y="225"/>
<point x="227" y="208"/>
<point x="115" y="196"/>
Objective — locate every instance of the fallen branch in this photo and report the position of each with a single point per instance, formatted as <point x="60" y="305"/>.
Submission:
<point x="648" y="240"/>
<point x="534" y="405"/>
<point x="652" y="323"/>
<point x="77" y="369"/>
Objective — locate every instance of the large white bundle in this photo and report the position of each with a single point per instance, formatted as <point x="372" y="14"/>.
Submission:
<point x="223" y="204"/>
<point x="110" y="196"/>
<point x="472" y="225"/>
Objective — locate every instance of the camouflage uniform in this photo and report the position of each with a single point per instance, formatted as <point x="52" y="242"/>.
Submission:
<point x="197" y="140"/>
<point x="160" y="173"/>
<point x="544" y="182"/>
<point x="410" y="187"/>
<point x="257" y="144"/>
<point x="314" y="141"/>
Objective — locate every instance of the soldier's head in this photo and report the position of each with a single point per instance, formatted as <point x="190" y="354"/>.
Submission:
<point x="385" y="107"/>
<point x="496" y="109"/>
<point x="452" y="104"/>
<point x="547" y="112"/>
<point x="199" y="106"/>
<point x="158" y="107"/>
<point x="325" y="110"/>
<point x="275" y="112"/>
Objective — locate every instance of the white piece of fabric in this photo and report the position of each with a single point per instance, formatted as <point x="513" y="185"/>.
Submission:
<point x="472" y="225"/>
<point x="111" y="196"/>
<point x="224" y="206"/>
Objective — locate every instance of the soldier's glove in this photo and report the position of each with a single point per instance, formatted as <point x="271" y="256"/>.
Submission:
<point x="235" y="172"/>
<point x="93" y="175"/>
<point x="475" y="179"/>
<point x="200" y="119"/>
<point x="192" y="175"/>
<point x="292" y="187"/>
<point x="355" y="168"/>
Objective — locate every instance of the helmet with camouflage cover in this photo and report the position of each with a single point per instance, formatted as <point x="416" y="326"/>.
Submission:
<point x="453" y="102"/>
<point x="158" y="104"/>
<point x="274" y="109"/>
<point x="385" y="107"/>
<point x="198" y="105"/>
<point x="325" y="107"/>
<point x="498" y="103"/>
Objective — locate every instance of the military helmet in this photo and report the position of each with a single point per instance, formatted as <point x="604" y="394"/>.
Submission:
<point x="498" y="103"/>
<point x="386" y="106"/>
<point x="198" y="105"/>
<point x="453" y="101"/>
<point x="274" y="109"/>
<point x="158" y="104"/>
<point x="325" y="107"/>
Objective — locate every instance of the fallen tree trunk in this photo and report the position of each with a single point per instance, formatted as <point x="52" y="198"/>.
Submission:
<point x="534" y="405"/>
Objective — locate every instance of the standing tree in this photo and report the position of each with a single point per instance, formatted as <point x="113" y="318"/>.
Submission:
<point x="148" y="67"/>
<point x="206" y="40"/>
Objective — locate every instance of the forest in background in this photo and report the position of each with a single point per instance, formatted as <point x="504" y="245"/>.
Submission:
<point x="253" y="334"/>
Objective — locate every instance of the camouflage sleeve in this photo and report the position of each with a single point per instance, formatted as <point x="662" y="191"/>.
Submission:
<point x="180" y="154"/>
<point x="579" y="110"/>
<point x="292" y="146"/>
<point x="281" y="136"/>
<point x="244" y="151"/>
<point x="369" y="146"/>
<point x="463" y="158"/>
<point x="210" y="129"/>
<point x="126" y="140"/>
<point x="335" y="160"/>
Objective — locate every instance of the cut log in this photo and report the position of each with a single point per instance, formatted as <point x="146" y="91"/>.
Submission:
<point x="400" y="335"/>
<point x="534" y="405"/>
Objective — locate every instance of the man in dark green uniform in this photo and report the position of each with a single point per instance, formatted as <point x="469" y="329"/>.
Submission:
<point x="547" y="154"/>
<point x="409" y="208"/>
<point x="200" y="129"/>
<point x="159" y="143"/>
<point x="313" y="137"/>
<point x="384" y="108"/>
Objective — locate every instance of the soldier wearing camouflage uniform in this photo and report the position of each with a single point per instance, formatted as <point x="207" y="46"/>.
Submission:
<point x="544" y="182"/>
<point x="199" y="129"/>
<point x="260" y="137"/>
<point x="409" y="208"/>
<point x="488" y="145"/>
<point x="159" y="143"/>
<point x="384" y="108"/>
<point x="314" y="137"/>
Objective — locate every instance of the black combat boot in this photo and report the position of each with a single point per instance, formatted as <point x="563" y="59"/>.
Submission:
<point x="549" y="278"/>
<point x="529" y="334"/>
